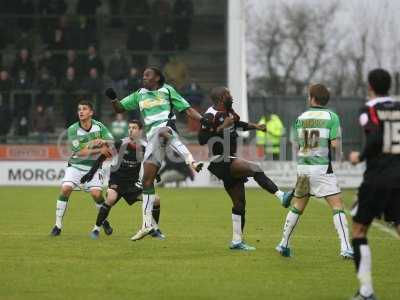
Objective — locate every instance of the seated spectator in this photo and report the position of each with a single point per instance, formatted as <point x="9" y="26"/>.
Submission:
<point x="139" y="10"/>
<point x="23" y="62"/>
<point x="139" y="39"/>
<point x="50" y="10"/>
<point x="25" y="40"/>
<point x="119" y="127"/>
<point x="176" y="72"/>
<point x="194" y="95"/>
<point x="161" y="10"/>
<point x="42" y="123"/>
<point x="6" y="86"/>
<point x="48" y="61"/>
<point x="183" y="13"/>
<point x="25" y="8"/>
<point x="22" y="102"/>
<point x="166" y="42"/>
<point x="93" y="61"/>
<point x="45" y="84"/>
<point x="133" y="82"/>
<point x="118" y="71"/>
<point x="70" y="88"/>
<point x="72" y="60"/>
<point x="115" y="11"/>
<point x="88" y="8"/>
<point x="94" y="86"/>
<point x="81" y="34"/>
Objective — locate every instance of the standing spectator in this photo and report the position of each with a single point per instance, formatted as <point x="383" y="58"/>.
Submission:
<point x="119" y="127"/>
<point x="94" y="87"/>
<point x="45" y="83"/>
<point x="166" y="42"/>
<point x="176" y="72"/>
<point x="42" y="123"/>
<point x="183" y="13"/>
<point x="70" y="87"/>
<point x="23" y="62"/>
<point x="73" y="61"/>
<point x="22" y="102"/>
<point x="138" y="10"/>
<point x="270" y="140"/>
<point x="93" y="61"/>
<point x="118" y="70"/>
<point x="139" y="39"/>
<point x="5" y="111"/>
<point x="194" y="95"/>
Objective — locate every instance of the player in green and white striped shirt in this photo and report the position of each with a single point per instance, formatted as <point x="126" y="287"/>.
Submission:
<point x="317" y="131"/>
<point x="156" y="100"/>
<point x="87" y="139"/>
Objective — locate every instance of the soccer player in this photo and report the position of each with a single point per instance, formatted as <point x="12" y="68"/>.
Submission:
<point x="379" y="193"/>
<point x="124" y="177"/>
<point x="156" y="101"/>
<point x="225" y="165"/>
<point x="317" y="130"/>
<point x="87" y="139"/>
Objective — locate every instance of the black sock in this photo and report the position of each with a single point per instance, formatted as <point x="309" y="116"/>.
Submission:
<point x="357" y="242"/>
<point x="266" y="183"/>
<point x="103" y="214"/>
<point x="156" y="213"/>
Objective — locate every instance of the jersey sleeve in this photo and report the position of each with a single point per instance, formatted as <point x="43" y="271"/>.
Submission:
<point x="334" y="132"/>
<point x="130" y="102"/>
<point x="178" y="102"/>
<point x="295" y="131"/>
<point x="73" y="140"/>
<point x="105" y="133"/>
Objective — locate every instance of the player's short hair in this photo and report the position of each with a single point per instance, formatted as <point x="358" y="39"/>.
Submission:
<point x="87" y="103"/>
<point x="320" y="93"/>
<point x="380" y="81"/>
<point x="137" y="122"/>
<point x="159" y="73"/>
<point x="216" y="93"/>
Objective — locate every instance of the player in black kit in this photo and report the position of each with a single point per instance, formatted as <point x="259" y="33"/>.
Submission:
<point x="124" y="178"/>
<point x="221" y="138"/>
<point x="379" y="193"/>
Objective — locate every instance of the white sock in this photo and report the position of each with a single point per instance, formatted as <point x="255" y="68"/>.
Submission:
<point x="290" y="223"/>
<point x="279" y="195"/>
<point x="364" y="271"/>
<point x="147" y="209"/>
<point x="237" y="228"/>
<point x="340" y="221"/>
<point x="182" y="150"/>
<point x="95" y="227"/>
<point x="61" y="206"/>
<point x="98" y="205"/>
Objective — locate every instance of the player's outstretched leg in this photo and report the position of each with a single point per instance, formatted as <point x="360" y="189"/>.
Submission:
<point x="237" y="194"/>
<point x="61" y="206"/>
<point x="97" y="196"/>
<point x="241" y="168"/>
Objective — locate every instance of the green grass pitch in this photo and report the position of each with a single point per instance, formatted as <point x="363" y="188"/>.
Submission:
<point x="194" y="262"/>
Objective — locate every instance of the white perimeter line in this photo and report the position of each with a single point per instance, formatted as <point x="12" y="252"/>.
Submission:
<point x="375" y="224"/>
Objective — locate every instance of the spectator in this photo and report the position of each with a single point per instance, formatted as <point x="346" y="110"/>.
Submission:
<point x="161" y="10"/>
<point x="194" y="95"/>
<point x="58" y="41"/>
<point x="176" y="72"/>
<point x="48" y="61"/>
<point x="118" y="71"/>
<point x="42" y="123"/>
<point x="3" y="40"/>
<point x="139" y="39"/>
<point x="139" y="10"/>
<point x="70" y="87"/>
<point x="269" y="142"/>
<point x="25" y="40"/>
<point x="23" y="62"/>
<point x="115" y="11"/>
<point x="93" y="61"/>
<point x="22" y="102"/>
<point x="50" y="10"/>
<point x="166" y="42"/>
<point x="24" y="8"/>
<point x="94" y="87"/>
<point x="119" y="127"/>
<point x="81" y="35"/>
<point x="88" y="8"/>
<point x="73" y="61"/>
<point x="6" y="86"/>
<point x="45" y="83"/>
<point x="132" y="84"/>
<point x="183" y="14"/>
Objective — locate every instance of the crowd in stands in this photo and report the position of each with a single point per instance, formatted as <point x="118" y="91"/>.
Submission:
<point x="58" y="62"/>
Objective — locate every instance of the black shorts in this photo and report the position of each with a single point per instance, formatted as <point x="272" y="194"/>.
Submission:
<point x="376" y="202"/>
<point x="130" y="191"/>
<point x="221" y="168"/>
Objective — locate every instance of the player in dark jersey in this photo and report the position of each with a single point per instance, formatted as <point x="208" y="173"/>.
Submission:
<point x="233" y="171"/>
<point x="124" y="178"/>
<point x="379" y="193"/>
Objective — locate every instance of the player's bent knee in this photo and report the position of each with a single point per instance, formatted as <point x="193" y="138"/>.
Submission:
<point x="96" y="193"/>
<point x="157" y="201"/>
<point x="66" y="189"/>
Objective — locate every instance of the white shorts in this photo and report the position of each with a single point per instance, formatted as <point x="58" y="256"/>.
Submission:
<point x="155" y="152"/>
<point x="321" y="185"/>
<point x="73" y="177"/>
